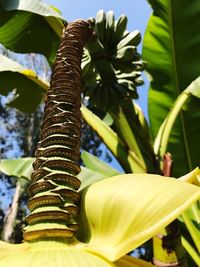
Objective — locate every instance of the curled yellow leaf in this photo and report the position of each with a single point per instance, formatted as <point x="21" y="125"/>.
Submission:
<point x="124" y="211"/>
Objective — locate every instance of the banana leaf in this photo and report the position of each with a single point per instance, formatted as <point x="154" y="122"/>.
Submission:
<point x="28" y="88"/>
<point x="20" y="168"/>
<point x="95" y="164"/>
<point x="30" y="26"/>
<point x="171" y="50"/>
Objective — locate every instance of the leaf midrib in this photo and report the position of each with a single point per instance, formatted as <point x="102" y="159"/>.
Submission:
<point x="178" y="91"/>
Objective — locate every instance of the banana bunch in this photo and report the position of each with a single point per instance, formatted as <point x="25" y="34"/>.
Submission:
<point x="111" y="65"/>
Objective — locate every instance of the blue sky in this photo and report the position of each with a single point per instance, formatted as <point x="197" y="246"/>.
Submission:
<point x="137" y="11"/>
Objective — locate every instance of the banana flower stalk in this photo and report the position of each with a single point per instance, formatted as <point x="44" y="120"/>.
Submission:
<point x="113" y="216"/>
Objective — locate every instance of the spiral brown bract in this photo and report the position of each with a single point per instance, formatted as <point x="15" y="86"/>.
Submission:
<point x="53" y="190"/>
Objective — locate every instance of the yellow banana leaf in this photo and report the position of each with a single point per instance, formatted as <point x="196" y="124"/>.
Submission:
<point x="128" y="261"/>
<point x="51" y="254"/>
<point x="124" y="211"/>
<point x="192" y="177"/>
<point x="73" y="256"/>
<point x="7" y="249"/>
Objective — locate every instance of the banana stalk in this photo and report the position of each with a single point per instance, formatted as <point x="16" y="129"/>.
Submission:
<point x="167" y="247"/>
<point x="53" y="190"/>
<point x="129" y="125"/>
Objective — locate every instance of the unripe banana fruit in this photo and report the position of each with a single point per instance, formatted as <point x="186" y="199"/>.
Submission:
<point x="112" y="70"/>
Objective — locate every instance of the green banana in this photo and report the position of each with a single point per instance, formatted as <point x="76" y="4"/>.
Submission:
<point x="101" y="25"/>
<point x="95" y="48"/>
<point x="113" y="66"/>
<point x="129" y="84"/>
<point x="143" y="122"/>
<point x="133" y="38"/>
<point x="89" y="74"/>
<point x="120" y="28"/>
<point x="138" y="65"/>
<point x="120" y="89"/>
<point x="85" y="66"/>
<point x="86" y="54"/>
<point x="106" y="71"/>
<point x="97" y="97"/>
<point x="139" y="81"/>
<point x="116" y="100"/>
<point x="89" y="90"/>
<point x="126" y="53"/>
<point x="126" y="89"/>
<point x="106" y="97"/>
<point x="88" y="71"/>
<point x="129" y="76"/>
<point x="136" y="57"/>
<point x="126" y="67"/>
<point x="132" y="81"/>
<point x="110" y="25"/>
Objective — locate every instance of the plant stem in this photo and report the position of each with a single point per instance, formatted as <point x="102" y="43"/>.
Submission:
<point x="191" y="251"/>
<point x="53" y="190"/>
<point x="161" y="141"/>
<point x="127" y="158"/>
<point x="168" y="249"/>
<point x="193" y="230"/>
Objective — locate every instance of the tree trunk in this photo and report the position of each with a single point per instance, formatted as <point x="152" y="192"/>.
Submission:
<point x="11" y="214"/>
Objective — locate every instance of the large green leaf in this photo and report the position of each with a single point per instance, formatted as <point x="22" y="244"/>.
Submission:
<point x="21" y="168"/>
<point x="37" y="6"/>
<point x="171" y="49"/>
<point x="95" y="170"/>
<point x="29" y="89"/>
<point x="88" y="177"/>
<point x="98" y="165"/>
<point x="30" y="26"/>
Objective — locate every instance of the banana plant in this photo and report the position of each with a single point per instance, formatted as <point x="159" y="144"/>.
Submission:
<point x="132" y="147"/>
<point x="114" y="217"/>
